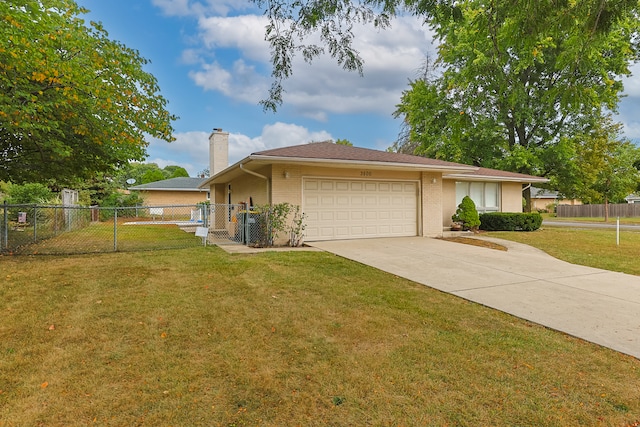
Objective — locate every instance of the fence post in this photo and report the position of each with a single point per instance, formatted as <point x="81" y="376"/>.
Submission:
<point x="115" y="229"/>
<point x="35" y="223"/>
<point x="5" y="231"/>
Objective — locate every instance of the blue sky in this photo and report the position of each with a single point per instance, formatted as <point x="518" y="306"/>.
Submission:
<point x="212" y="64"/>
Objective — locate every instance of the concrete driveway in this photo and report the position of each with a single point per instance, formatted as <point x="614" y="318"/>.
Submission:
<point x="596" y="305"/>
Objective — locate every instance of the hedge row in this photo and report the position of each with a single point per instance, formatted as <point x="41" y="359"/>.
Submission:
<point x="506" y="221"/>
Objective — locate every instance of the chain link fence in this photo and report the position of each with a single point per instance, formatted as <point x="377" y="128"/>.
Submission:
<point x="36" y="229"/>
<point x="238" y="224"/>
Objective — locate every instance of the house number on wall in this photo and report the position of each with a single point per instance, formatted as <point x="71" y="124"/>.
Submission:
<point x="365" y="173"/>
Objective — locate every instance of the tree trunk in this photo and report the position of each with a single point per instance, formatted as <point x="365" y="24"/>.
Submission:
<point x="606" y="209"/>
<point x="526" y="193"/>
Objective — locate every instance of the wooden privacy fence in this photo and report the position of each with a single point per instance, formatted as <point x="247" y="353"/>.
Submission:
<point x="623" y="210"/>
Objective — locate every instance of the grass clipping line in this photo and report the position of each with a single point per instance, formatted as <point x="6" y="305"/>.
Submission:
<point x="200" y="337"/>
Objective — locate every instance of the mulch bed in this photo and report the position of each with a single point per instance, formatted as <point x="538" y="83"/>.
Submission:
<point x="475" y="242"/>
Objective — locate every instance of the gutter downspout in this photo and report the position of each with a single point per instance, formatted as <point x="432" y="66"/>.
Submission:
<point x="259" y="176"/>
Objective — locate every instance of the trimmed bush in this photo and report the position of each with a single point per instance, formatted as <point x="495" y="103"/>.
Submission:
<point x="507" y="221"/>
<point x="467" y="214"/>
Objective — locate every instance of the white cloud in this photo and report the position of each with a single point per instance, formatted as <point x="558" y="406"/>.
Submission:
<point x="240" y="83"/>
<point x="245" y="33"/>
<point x="199" y="8"/>
<point x="391" y="57"/>
<point x="177" y="7"/>
<point x="273" y="136"/>
<point x="191" y="149"/>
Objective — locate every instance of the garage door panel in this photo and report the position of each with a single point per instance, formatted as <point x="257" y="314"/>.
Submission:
<point x="326" y="216"/>
<point x="344" y="209"/>
<point x="370" y="215"/>
<point x="357" y="200"/>
<point x="342" y="216"/>
<point x="342" y="200"/>
<point x="371" y="201"/>
<point x="326" y="185"/>
<point x="342" y="186"/>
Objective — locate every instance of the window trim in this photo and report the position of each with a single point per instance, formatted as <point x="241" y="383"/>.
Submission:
<point x="480" y="204"/>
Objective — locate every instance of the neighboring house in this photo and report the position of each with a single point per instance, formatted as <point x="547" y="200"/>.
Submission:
<point x="174" y="191"/>
<point x="351" y="192"/>
<point x="541" y="199"/>
<point x="633" y="198"/>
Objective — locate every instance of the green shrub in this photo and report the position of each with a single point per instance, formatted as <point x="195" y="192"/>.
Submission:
<point x="508" y="221"/>
<point x="119" y="200"/>
<point x="28" y="194"/>
<point x="467" y="214"/>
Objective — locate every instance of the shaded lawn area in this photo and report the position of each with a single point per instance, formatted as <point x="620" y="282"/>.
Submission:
<point x="198" y="337"/>
<point x="590" y="247"/>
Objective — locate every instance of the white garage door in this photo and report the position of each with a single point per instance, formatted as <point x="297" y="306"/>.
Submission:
<point x="352" y="209"/>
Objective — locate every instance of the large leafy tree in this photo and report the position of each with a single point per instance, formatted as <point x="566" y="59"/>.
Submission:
<point x="292" y="24"/>
<point x="605" y="166"/>
<point x="73" y="103"/>
<point x="517" y="79"/>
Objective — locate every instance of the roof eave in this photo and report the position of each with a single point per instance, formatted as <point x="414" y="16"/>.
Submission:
<point x="199" y="189"/>
<point x="526" y="180"/>
<point x="367" y="163"/>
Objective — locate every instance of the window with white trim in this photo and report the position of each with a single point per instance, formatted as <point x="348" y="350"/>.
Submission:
<point x="486" y="195"/>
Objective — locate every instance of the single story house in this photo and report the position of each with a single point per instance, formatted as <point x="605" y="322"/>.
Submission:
<point x="632" y="198"/>
<point x="174" y="191"/>
<point x="350" y="192"/>
<point x="542" y="198"/>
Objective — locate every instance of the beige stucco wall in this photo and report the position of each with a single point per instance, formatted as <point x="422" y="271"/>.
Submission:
<point x="511" y="197"/>
<point x="448" y="201"/>
<point x="431" y="204"/>
<point x="219" y="194"/>
<point x="252" y="187"/>
<point x="164" y="198"/>
<point x="287" y="179"/>
<point x="286" y="184"/>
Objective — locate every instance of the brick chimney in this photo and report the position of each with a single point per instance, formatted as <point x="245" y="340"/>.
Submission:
<point x="218" y="151"/>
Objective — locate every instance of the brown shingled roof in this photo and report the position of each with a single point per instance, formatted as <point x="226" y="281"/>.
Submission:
<point x="329" y="150"/>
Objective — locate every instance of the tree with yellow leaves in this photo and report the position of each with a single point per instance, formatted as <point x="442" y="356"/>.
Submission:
<point x="73" y="103"/>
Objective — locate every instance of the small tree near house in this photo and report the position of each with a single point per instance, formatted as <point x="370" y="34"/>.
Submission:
<point x="467" y="214"/>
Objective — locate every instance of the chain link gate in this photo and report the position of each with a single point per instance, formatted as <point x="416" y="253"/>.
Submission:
<point x="240" y="224"/>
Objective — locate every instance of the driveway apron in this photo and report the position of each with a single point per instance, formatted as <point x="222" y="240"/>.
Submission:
<point x="596" y="305"/>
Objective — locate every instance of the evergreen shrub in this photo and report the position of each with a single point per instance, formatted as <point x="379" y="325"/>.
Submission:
<point x="508" y="221"/>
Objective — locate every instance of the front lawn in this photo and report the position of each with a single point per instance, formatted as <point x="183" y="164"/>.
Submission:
<point x="590" y="247"/>
<point x="198" y="337"/>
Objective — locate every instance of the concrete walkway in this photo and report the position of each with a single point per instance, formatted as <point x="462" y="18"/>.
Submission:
<point x="596" y="305"/>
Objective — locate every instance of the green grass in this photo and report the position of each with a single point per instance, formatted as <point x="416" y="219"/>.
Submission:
<point x="99" y="237"/>
<point x="198" y="337"/>
<point x="591" y="247"/>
